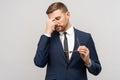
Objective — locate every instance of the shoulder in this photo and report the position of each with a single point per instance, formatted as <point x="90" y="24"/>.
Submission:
<point x="81" y="33"/>
<point x="84" y="37"/>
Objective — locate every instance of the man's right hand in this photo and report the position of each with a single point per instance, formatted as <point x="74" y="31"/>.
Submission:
<point x="50" y="26"/>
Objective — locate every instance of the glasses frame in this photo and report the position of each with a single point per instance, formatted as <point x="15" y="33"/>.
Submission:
<point x="74" y="50"/>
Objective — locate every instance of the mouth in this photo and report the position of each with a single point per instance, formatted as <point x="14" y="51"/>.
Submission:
<point x="57" y="27"/>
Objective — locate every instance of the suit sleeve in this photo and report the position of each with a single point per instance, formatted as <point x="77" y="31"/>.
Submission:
<point x="95" y="68"/>
<point x="41" y="56"/>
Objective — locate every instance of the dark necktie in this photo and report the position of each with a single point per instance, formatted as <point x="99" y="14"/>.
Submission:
<point x="66" y="46"/>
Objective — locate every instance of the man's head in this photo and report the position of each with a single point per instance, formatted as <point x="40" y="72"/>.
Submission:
<point x="56" y="6"/>
<point x="59" y="13"/>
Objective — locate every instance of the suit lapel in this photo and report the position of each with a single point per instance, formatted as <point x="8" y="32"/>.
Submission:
<point x="59" y="45"/>
<point x="76" y="45"/>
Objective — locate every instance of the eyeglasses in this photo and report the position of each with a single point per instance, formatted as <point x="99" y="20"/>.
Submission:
<point x="74" y="50"/>
<point x="70" y="51"/>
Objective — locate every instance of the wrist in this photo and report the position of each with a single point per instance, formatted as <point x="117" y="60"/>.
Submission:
<point x="89" y="63"/>
<point x="47" y="35"/>
<point x="48" y="32"/>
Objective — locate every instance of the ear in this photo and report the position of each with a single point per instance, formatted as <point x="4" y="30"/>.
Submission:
<point x="68" y="14"/>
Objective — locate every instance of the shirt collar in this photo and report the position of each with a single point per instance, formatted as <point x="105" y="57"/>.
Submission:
<point x="69" y="31"/>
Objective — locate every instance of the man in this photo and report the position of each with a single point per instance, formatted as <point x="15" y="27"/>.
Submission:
<point x="67" y="51"/>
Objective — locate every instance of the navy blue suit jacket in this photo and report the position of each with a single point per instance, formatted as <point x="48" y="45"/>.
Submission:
<point x="50" y="52"/>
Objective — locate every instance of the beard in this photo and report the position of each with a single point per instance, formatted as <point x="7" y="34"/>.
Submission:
<point x="59" y="28"/>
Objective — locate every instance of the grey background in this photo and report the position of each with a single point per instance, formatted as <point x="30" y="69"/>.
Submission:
<point x="23" y="21"/>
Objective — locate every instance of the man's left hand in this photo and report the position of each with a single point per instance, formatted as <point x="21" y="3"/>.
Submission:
<point x="84" y="53"/>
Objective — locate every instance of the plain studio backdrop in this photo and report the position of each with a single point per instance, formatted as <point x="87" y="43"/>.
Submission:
<point x="22" y="22"/>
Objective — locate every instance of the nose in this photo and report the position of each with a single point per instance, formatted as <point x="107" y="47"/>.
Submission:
<point x="56" y="21"/>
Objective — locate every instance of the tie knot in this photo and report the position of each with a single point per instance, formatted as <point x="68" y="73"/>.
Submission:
<point x="65" y="33"/>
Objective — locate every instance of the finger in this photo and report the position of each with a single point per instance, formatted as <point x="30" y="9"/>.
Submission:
<point x="52" y="21"/>
<point x="82" y="49"/>
<point x="83" y="52"/>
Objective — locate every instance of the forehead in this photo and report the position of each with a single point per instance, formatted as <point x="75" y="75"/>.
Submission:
<point x="55" y="14"/>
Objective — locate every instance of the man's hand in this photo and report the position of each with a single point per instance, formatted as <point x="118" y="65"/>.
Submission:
<point x="50" y="26"/>
<point x="84" y="53"/>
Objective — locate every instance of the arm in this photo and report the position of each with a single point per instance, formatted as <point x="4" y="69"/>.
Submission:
<point x="41" y="56"/>
<point x="89" y="55"/>
<point x="95" y="68"/>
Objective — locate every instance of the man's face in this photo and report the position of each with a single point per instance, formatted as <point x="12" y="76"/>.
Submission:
<point x="61" y="20"/>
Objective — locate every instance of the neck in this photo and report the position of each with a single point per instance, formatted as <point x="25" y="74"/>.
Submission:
<point x="67" y="26"/>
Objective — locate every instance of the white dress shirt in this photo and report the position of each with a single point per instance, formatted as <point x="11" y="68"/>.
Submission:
<point x="71" y="39"/>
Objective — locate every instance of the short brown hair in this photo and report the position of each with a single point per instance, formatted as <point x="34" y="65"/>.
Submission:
<point x="55" y="6"/>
